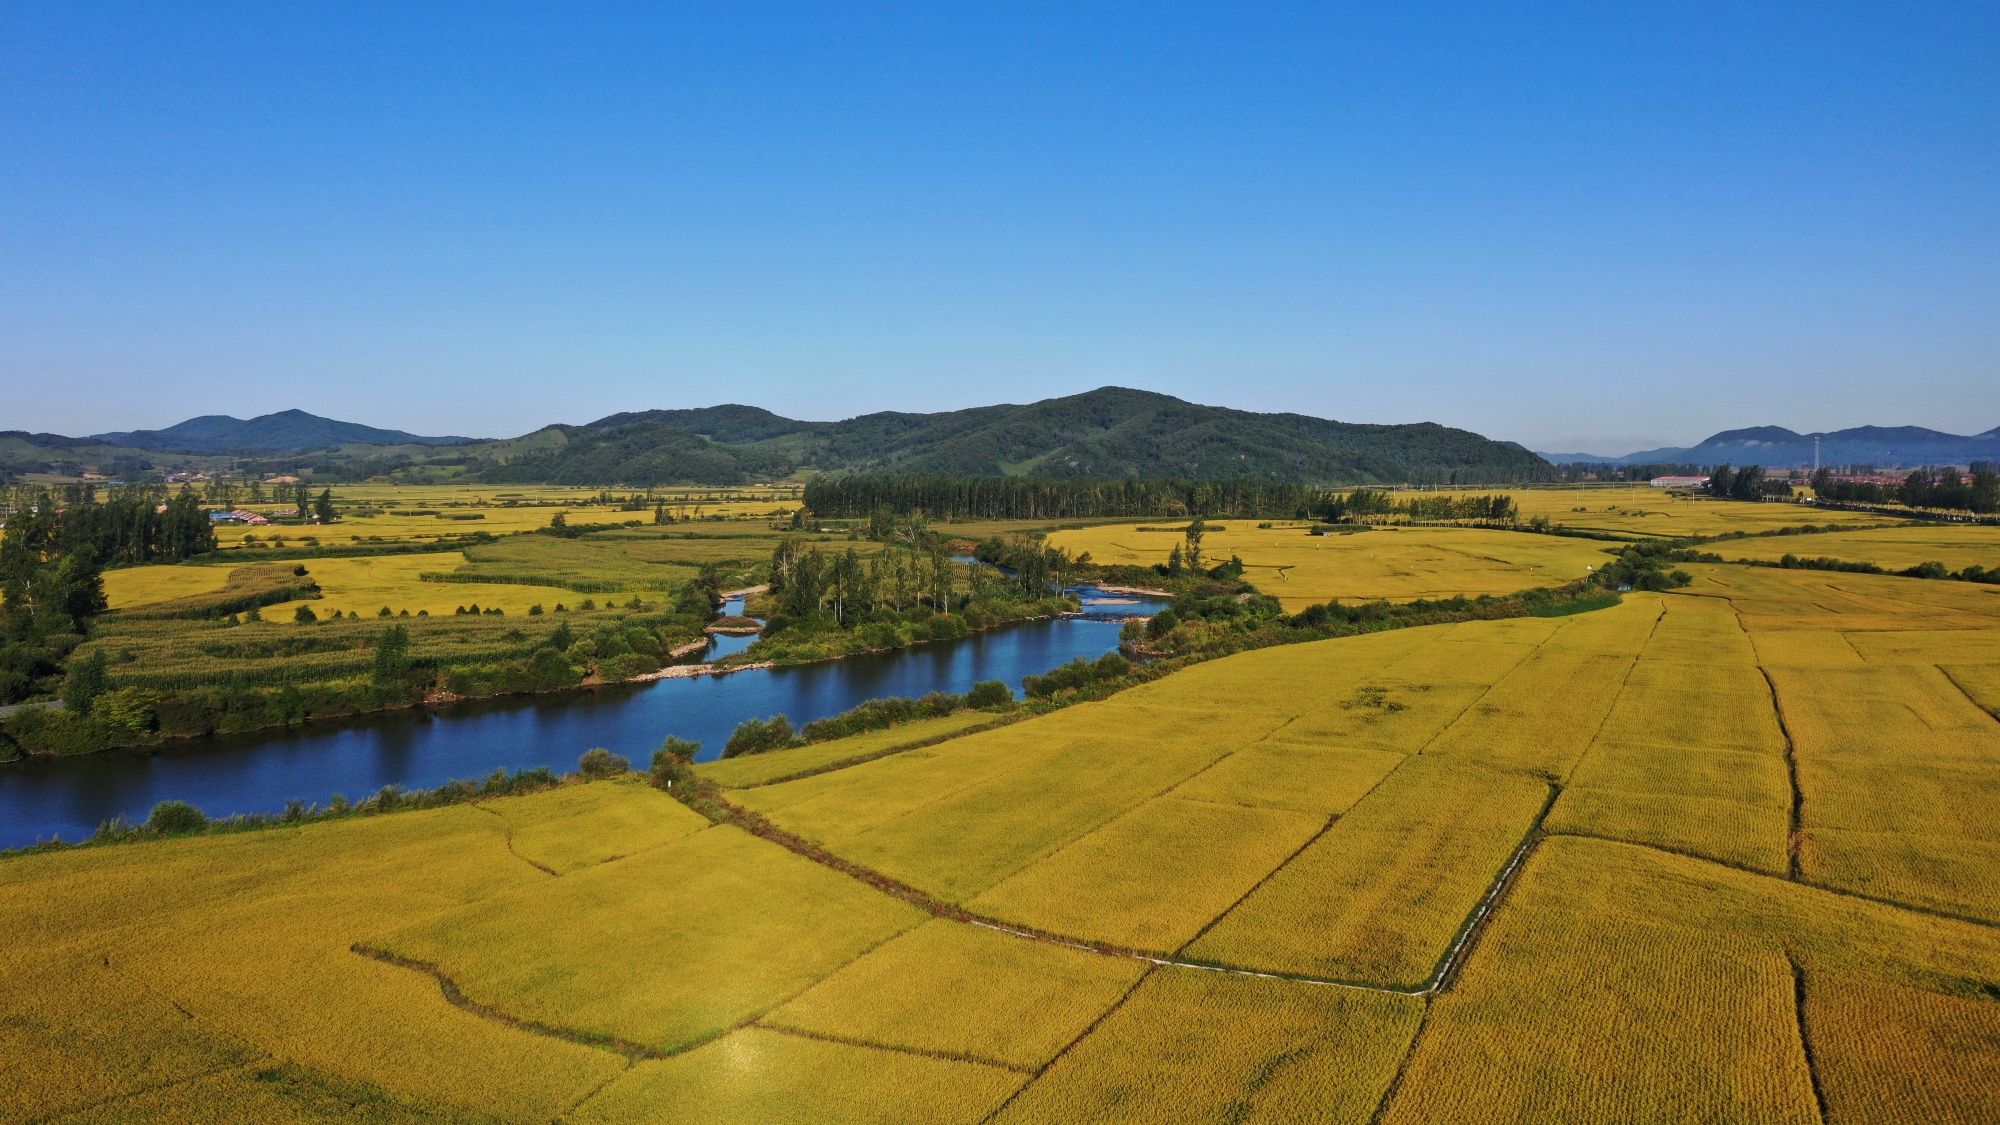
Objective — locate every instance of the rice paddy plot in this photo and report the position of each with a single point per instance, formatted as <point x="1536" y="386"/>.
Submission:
<point x="1643" y="511"/>
<point x="79" y="1033"/>
<point x="962" y="991"/>
<point x="144" y="585"/>
<point x="1979" y="682"/>
<point x="1379" y="897"/>
<point x="1326" y="780"/>
<point x="1615" y="977"/>
<point x="366" y="585"/>
<point x="580" y="565"/>
<point x="957" y="818"/>
<point x="756" y="1076"/>
<point x="1928" y="646"/>
<point x="1630" y="793"/>
<point x="1560" y="694"/>
<point x="1397" y="564"/>
<point x="1934" y="871"/>
<point x="1569" y="1012"/>
<point x="247" y="937"/>
<point x="1197" y="859"/>
<point x="1722" y="706"/>
<point x="1884" y="712"/>
<point x="1906" y="544"/>
<point x="1699" y="631"/>
<point x="1191" y="1045"/>
<point x="576" y="826"/>
<point x="761" y="769"/>
<point x="654" y="949"/>
<point x="1888" y="1052"/>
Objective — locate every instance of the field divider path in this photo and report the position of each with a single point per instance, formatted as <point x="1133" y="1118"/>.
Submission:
<point x="1793" y="838"/>
<point x="633" y="1052"/>
<point x="1106" y="1014"/>
<point x="509" y="839"/>
<point x="1461" y="944"/>
<point x="852" y="1041"/>
<point x="1805" y="1036"/>
<point x="1984" y="923"/>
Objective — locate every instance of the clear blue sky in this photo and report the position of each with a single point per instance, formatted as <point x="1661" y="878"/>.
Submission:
<point x="1597" y="227"/>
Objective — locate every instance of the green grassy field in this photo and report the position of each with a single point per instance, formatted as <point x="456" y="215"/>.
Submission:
<point x="1725" y="853"/>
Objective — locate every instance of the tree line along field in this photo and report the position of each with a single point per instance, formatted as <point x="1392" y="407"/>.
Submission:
<point x="1726" y="853"/>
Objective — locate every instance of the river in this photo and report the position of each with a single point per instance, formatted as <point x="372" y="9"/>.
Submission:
<point x="46" y="798"/>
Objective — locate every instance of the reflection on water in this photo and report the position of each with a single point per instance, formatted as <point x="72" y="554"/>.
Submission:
<point x="259" y="772"/>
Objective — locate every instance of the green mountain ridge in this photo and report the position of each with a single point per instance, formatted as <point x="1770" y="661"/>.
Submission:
<point x="1111" y="432"/>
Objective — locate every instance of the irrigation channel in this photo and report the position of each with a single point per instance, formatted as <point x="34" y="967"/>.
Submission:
<point x="224" y="775"/>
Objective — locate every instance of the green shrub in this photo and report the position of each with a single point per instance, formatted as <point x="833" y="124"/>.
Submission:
<point x="601" y="763"/>
<point x="755" y="736"/>
<point x="172" y="817"/>
<point x="989" y="693"/>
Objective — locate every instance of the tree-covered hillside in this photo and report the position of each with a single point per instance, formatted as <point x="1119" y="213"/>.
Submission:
<point x="1108" y="433"/>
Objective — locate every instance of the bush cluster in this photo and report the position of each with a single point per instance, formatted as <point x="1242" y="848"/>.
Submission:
<point x="1077" y="674"/>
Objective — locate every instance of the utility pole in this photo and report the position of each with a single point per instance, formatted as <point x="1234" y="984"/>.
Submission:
<point x="1815" y="454"/>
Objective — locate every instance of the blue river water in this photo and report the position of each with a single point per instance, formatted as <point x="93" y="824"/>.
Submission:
<point x="257" y="773"/>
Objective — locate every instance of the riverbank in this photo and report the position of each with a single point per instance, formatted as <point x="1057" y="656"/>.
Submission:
<point x="425" y="746"/>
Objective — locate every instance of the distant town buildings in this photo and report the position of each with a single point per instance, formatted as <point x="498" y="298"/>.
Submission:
<point x="1678" y="482"/>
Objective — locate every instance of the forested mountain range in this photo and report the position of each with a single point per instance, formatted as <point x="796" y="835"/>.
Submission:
<point x="287" y="430"/>
<point x="1112" y="432"/>
<point x="1777" y="447"/>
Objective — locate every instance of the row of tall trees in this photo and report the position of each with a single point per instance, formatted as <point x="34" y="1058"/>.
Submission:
<point x="881" y="498"/>
<point x="131" y="525"/>
<point x="965" y="497"/>
<point x="843" y="588"/>
<point x="1946" y="489"/>
<point x="1951" y="491"/>
<point x="1746" y="483"/>
<point x="51" y="595"/>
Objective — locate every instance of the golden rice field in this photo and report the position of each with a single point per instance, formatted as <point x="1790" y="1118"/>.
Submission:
<point x="1400" y="564"/>
<point x="1891" y="548"/>
<point x="1749" y="833"/>
<point x="404" y="513"/>
<point x="1641" y="509"/>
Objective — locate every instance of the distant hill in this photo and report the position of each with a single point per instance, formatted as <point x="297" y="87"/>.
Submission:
<point x="287" y="430"/>
<point x="1777" y="447"/>
<point x="1109" y="432"/>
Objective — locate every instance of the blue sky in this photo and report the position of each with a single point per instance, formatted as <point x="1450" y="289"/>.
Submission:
<point x="1600" y="228"/>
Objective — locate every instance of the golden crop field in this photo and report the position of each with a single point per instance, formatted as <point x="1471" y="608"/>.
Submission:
<point x="1641" y="509"/>
<point x="1400" y="564"/>
<point x="1725" y="853"/>
<point x="1891" y="548"/>
<point x="404" y="513"/>
<point x="144" y="585"/>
